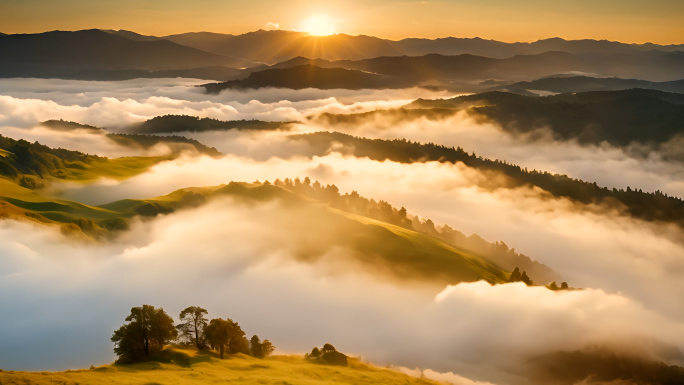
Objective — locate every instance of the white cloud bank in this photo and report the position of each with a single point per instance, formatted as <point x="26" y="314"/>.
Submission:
<point x="62" y="300"/>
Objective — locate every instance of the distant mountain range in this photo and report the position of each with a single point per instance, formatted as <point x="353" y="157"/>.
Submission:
<point x="653" y="66"/>
<point x="275" y="46"/>
<point x="449" y="62"/>
<point x="61" y="53"/>
<point x="574" y="84"/>
<point x="311" y="76"/>
<point x="468" y="73"/>
<point x="617" y="117"/>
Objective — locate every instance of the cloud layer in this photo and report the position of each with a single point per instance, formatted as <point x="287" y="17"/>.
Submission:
<point x="226" y="258"/>
<point x="238" y="261"/>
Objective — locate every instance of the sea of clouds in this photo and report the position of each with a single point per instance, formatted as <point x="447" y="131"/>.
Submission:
<point x="62" y="298"/>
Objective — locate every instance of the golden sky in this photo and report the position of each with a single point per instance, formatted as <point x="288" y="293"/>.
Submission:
<point x="633" y="21"/>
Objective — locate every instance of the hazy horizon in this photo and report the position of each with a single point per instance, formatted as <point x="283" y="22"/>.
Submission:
<point x="531" y="20"/>
<point x="358" y="34"/>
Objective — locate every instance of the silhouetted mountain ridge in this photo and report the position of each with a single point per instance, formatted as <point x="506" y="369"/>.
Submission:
<point x="655" y="206"/>
<point x="60" y="53"/>
<point x="183" y="123"/>
<point x="617" y="117"/>
<point x="574" y="84"/>
<point x="308" y="76"/>
<point x="280" y="45"/>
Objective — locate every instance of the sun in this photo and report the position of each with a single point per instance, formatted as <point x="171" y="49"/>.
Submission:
<point x="319" y="25"/>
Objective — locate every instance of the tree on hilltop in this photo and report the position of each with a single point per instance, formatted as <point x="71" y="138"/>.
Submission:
<point x="192" y="325"/>
<point x="147" y="331"/>
<point x="226" y="335"/>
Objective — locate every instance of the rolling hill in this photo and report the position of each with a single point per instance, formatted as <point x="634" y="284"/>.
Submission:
<point x="383" y="248"/>
<point x="189" y="366"/>
<point x="33" y="165"/>
<point x="382" y="237"/>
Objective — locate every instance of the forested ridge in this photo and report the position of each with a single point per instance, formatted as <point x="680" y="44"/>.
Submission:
<point x="650" y="206"/>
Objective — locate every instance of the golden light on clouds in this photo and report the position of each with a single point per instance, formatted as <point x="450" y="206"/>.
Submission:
<point x="319" y="25"/>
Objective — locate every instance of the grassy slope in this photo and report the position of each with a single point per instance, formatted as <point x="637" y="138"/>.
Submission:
<point x="418" y="254"/>
<point x="394" y="251"/>
<point x="119" y="168"/>
<point x="177" y="366"/>
<point x="404" y="253"/>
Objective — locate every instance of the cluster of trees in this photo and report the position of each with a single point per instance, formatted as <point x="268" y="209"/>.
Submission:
<point x="654" y="206"/>
<point x="149" y="329"/>
<point x="184" y="123"/>
<point x="327" y="355"/>
<point x="498" y="253"/>
<point x="517" y="276"/>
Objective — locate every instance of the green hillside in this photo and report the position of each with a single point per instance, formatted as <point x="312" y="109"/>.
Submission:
<point x="180" y="366"/>
<point x="34" y="165"/>
<point x="393" y="251"/>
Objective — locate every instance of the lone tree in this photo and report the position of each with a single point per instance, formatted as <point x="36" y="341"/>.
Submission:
<point x="147" y="331"/>
<point x="225" y="335"/>
<point x="192" y="325"/>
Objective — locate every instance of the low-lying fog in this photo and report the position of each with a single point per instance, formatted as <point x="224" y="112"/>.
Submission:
<point x="62" y="299"/>
<point x="114" y="105"/>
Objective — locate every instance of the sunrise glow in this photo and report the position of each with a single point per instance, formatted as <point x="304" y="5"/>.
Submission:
<point x="319" y="25"/>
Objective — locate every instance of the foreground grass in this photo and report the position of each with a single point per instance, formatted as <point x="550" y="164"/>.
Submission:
<point x="180" y="366"/>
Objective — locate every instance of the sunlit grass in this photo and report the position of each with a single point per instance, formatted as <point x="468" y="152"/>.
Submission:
<point x="180" y="366"/>
<point x="118" y="168"/>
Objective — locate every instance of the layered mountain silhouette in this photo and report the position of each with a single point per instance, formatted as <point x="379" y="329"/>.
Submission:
<point x="654" y="66"/>
<point x="459" y="73"/>
<point x="617" y="117"/>
<point x="567" y="84"/>
<point x="61" y="53"/>
<point x="497" y="49"/>
<point x="310" y="76"/>
<point x="274" y="46"/>
<point x="451" y="62"/>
